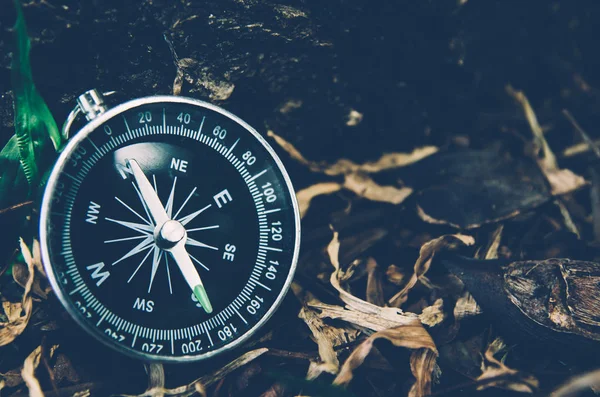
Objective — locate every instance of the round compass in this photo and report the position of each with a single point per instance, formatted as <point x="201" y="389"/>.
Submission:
<point x="169" y="228"/>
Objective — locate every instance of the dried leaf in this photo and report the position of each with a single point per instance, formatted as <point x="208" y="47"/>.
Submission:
<point x="561" y="181"/>
<point x="564" y="181"/>
<point x="567" y="218"/>
<point x="28" y="372"/>
<point x="356" y="177"/>
<point x="492" y="251"/>
<point x="385" y="318"/>
<point x="156" y="379"/>
<point x="434" y="314"/>
<point x="306" y="195"/>
<point x="18" y="314"/>
<point x="409" y="336"/>
<point x="422" y="366"/>
<point x="12" y="378"/>
<point x="344" y="167"/>
<point x="466" y="306"/>
<point x="322" y="334"/>
<point x="578" y="148"/>
<point x="394" y="275"/>
<point x="548" y="158"/>
<point x="507" y="378"/>
<point x="21" y="276"/>
<point x="374" y="288"/>
<point x="355" y="303"/>
<point x="63" y="369"/>
<point x="354" y="118"/>
<point x="426" y="254"/>
<point x="578" y="384"/>
<point x="363" y="186"/>
<point x="200" y="384"/>
<point x="31" y="363"/>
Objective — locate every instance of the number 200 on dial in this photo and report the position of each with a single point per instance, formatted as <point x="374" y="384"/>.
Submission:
<point x="169" y="229"/>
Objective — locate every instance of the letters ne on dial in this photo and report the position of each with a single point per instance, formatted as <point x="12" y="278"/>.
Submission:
<point x="169" y="235"/>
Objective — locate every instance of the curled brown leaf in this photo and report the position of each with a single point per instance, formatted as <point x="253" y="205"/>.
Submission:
<point x="422" y="366"/>
<point x="561" y="180"/>
<point x="497" y="374"/>
<point x="306" y="195"/>
<point x="363" y="186"/>
<point x="409" y="336"/>
<point x="374" y="293"/>
<point x="18" y="314"/>
<point x="200" y="384"/>
<point x="28" y="372"/>
<point x="434" y="314"/>
<point x="466" y="306"/>
<point x="354" y="303"/>
<point x="322" y="334"/>
<point x="344" y="167"/>
<point x="394" y="275"/>
<point x="356" y="178"/>
<point x="426" y="254"/>
<point x="384" y="318"/>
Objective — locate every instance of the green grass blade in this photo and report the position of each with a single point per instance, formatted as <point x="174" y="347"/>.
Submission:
<point x="35" y="127"/>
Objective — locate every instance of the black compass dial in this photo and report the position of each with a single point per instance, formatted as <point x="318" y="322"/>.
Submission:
<point x="169" y="229"/>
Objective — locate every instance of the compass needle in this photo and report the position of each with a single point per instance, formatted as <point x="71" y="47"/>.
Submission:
<point x="169" y="228"/>
<point x="142" y="201"/>
<point x="202" y="297"/>
<point x="170" y="234"/>
<point x="148" y="194"/>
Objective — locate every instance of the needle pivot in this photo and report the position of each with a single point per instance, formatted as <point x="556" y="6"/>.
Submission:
<point x="170" y="233"/>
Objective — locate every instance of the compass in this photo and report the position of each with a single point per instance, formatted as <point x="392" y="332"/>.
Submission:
<point x="169" y="227"/>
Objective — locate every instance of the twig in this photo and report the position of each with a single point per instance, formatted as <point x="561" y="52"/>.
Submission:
<point x="591" y="144"/>
<point x="15" y="207"/>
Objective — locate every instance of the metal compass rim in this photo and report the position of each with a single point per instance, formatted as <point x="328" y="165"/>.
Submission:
<point x="83" y="133"/>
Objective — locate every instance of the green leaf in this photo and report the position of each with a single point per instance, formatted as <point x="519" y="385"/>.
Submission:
<point x="13" y="182"/>
<point x="35" y="127"/>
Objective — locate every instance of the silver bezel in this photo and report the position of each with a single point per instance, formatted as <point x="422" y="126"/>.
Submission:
<point x="44" y="218"/>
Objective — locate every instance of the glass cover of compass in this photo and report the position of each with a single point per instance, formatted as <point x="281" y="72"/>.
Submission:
<point x="169" y="229"/>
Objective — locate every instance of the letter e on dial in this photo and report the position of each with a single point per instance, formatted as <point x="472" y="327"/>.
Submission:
<point x="222" y="198"/>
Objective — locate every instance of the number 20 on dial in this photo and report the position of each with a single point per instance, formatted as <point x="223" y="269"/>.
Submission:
<point x="169" y="229"/>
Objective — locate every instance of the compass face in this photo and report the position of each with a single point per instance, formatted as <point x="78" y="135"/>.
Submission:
<point x="169" y="229"/>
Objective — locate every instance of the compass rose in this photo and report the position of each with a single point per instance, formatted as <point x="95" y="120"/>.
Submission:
<point x="162" y="234"/>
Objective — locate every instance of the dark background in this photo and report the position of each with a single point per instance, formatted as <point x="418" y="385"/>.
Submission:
<point x="419" y="71"/>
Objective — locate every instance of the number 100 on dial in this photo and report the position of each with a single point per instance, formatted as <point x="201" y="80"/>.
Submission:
<point x="169" y="229"/>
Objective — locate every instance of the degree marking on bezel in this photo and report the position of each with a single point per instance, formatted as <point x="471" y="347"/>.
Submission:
<point x="46" y="205"/>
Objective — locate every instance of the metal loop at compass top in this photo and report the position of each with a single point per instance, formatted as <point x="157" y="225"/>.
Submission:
<point x="91" y="104"/>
